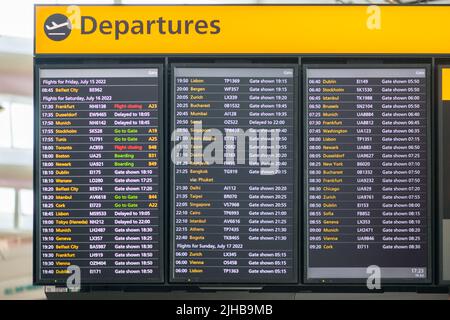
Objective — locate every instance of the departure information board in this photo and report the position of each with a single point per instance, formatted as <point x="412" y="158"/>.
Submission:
<point x="233" y="213"/>
<point x="99" y="175"/>
<point x="366" y="151"/>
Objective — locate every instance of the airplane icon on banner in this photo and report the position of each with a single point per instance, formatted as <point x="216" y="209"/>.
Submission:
<point x="57" y="27"/>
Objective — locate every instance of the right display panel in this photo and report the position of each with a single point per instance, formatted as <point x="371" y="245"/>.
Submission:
<point x="367" y="170"/>
<point x="444" y="171"/>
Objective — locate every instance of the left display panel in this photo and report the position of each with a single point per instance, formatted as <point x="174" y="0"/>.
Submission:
<point x="98" y="174"/>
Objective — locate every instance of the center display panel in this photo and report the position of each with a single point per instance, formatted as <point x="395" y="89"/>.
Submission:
<point x="233" y="216"/>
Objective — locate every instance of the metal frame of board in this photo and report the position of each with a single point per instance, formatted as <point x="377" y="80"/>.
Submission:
<point x="343" y="60"/>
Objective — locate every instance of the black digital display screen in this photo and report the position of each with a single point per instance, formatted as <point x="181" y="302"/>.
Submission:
<point x="233" y="210"/>
<point x="98" y="188"/>
<point x="367" y="173"/>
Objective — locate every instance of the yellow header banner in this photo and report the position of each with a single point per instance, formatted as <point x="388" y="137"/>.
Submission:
<point x="242" y="29"/>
